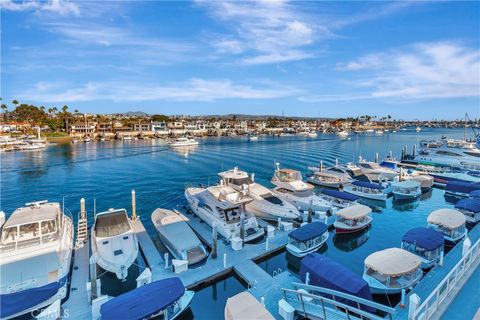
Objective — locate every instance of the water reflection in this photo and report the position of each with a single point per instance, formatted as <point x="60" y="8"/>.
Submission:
<point x="375" y="205"/>
<point x="406" y="205"/>
<point x="350" y="242"/>
<point x="185" y="151"/>
<point x="426" y="195"/>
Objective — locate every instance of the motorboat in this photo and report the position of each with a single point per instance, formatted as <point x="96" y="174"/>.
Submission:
<point x="244" y="306"/>
<point x="426" y="181"/>
<point x="266" y="203"/>
<point x="307" y="238"/>
<point x="461" y="189"/>
<point x="367" y="190"/>
<point x="324" y="272"/>
<point x="471" y="210"/>
<point x="425" y="243"/>
<point x="114" y="243"/>
<point x="378" y="131"/>
<point x="350" y="169"/>
<point x="328" y="178"/>
<point x="442" y="175"/>
<point x="161" y="299"/>
<point x="450" y="222"/>
<point x="36" y="251"/>
<point x="183" y="142"/>
<point x="418" y="129"/>
<point x="225" y="208"/>
<point x="170" y="225"/>
<point x="377" y="172"/>
<point x="353" y="219"/>
<point x="406" y="190"/>
<point x="312" y="134"/>
<point x="289" y="186"/>
<point x="252" y="138"/>
<point x="391" y="270"/>
<point x="342" y="134"/>
<point x="338" y="199"/>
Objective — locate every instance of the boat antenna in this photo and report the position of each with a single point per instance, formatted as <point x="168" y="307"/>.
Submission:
<point x="94" y="207"/>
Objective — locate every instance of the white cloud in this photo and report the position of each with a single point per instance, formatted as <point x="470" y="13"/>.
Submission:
<point x="435" y="70"/>
<point x="60" y="7"/>
<point x="190" y="90"/>
<point x="277" y="57"/>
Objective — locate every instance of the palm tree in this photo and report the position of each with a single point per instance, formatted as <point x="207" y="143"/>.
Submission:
<point x="15" y="102"/>
<point x="65" y="108"/>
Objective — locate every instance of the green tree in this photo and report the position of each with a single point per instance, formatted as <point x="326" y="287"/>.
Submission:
<point x="15" y="103"/>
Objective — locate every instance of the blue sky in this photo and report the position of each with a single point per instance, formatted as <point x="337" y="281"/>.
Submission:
<point x="412" y="60"/>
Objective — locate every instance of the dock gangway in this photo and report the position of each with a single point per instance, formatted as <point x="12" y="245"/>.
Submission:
<point x="326" y="304"/>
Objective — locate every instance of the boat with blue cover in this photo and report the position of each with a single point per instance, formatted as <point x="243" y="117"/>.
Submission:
<point x="425" y="243"/>
<point x="353" y="219"/>
<point x="368" y="190"/>
<point x="474" y="194"/>
<point x="338" y="199"/>
<point x="324" y="272"/>
<point x="307" y="238"/>
<point x="450" y="222"/>
<point x="162" y="299"/>
<point x="470" y="208"/>
<point x="461" y="188"/>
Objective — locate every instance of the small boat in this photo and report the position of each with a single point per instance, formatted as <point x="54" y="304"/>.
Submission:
<point x="367" y="190"/>
<point x="225" y="208"/>
<point x="87" y="139"/>
<point x="377" y="172"/>
<point x="289" y="186"/>
<point x="114" y="243"/>
<point x="169" y="226"/>
<point x="328" y="179"/>
<point x="342" y="134"/>
<point x="266" y="203"/>
<point x="244" y="306"/>
<point x="391" y="270"/>
<point x="312" y="134"/>
<point x="425" y="243"/>
<point x="183" y="142"/>
<point x="406" y="190"/>
<point x="353" y="219"/>
<point x="450" y="222"/>
<point x="326" y="273"/>
<point x="338" y="199"/>
<point x="426" y="181"/>
<point x="461" y="188"/>
<point x="351" y="170"/>
<point x="378" y="131"/>
<point x="252" y="138"/>
<point x="307" y="239"/>
<point x="470" y="208"/>
<point x="127" y="138"/>
<point x="162" y="299"/>
<point x="36" y="250"/>
<point x="369" y="131"/>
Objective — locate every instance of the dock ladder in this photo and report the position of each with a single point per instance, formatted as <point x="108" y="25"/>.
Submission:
<point x="82" y="226"/>
<point x="322" y="303"/>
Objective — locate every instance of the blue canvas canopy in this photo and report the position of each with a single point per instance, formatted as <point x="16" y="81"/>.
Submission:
<point x="339" y="195"/>
<point x="368" y="185"/>
<point x="472" y="205"/>
<point x="425" y="238"/>
<point x="462" y="187"/>
<point x="326" y="273"/>
<point x="475" y="194"/>
<point x="308" y="231"/>
<point x="144" y="301"/>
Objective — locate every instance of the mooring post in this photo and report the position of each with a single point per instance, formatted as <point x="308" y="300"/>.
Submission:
<point x="266" y="244"/>
<point x="466" y="246"/>
<point x="376" y="157"/>
<point x="242" y="228"/>
<point x="307" y="278"/>
<point x="262" y="300"/>
<point x="166" y="257"/>
<point x="414" y="150"/>
<point x="224" y="260"/>
<point x="82" y="209"/>
<point x="402" y="300"/>
<point x="134" y="207"/>
<point x="321" y="165"/>
<point x="279" y="223"/>
<point x="310" y="211"/>
<point x="414" y="302"/>
<point x="214" y="241"/>
<point x="93" y="278"/>
<point x="440" y="262"/>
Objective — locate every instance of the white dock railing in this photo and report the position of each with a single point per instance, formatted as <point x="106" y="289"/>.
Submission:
<point x="433" y="301"/>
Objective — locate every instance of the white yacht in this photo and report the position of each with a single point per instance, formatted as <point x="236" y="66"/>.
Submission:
<point x="36" y="251"/>
<point x="290" y="187"/>
<point x="175" y="233"/>
<point x="328" y="178"/>
<point x="349" y="169"/>
<point x="114" y="243"/>
<point x="183" y="142"/>
<point x="367" y="190"/>
<point x="377" y="172"/>
<point x="266" y="203"/>
<point x="342" y="134"/>
<point x="225" y="208"/>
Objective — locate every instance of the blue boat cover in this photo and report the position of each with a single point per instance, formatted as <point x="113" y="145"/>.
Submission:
<point x="475" y="194"/>
<point x="144" y="301"/>
<point x="425" y="238"/>
<point x="472" y="205"/>
<point x="368" y="185"/>
<point x="19" y="301"/>
<point x="339" y="194"/>
<point x="462" y="187"/>
<point x="388" y="164"/>
<point x="329" y="274"/>
<point x="308" y="231"/>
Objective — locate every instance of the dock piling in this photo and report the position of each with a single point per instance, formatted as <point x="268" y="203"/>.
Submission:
<point x="82" y="209"/>
<point x="262" y="300"/>
<point x="440" y="262"/>
<point x="310" y="211"/>
<point x="266" y="244"/>
<point x="307" y="278"/>
<point x="414" y="302"/>
<point x="321" y="165"/>
<point x="376" y="157"/>
<point x="402" y="300"/>
<point x="414" y="150"/>
<point x="134" y="207"/>
<point x="214" y="241"/>
<point x="242" y="228"/>
<point x="466" y="246"/>
<point x="166" y="258"/>
<point x="279" y="223"/>
<point x="224" y="260"/>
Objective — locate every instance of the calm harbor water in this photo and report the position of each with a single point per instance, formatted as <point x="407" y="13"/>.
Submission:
<point x="108" y="171"/>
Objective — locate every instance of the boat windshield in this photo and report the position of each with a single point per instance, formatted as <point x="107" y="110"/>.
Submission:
<point x="271" y="198"/>
<point x="394" y="281"/>
<point x="232" y="215"/>
<point x="369" y="165"/>
<point x="429" y="255"/>
<point x="111" y="224"/>
<point x="242" y="181"/>
<point x="289" y="176"/>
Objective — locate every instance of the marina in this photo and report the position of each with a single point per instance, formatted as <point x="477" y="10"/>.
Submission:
<point x="233" y="258"/>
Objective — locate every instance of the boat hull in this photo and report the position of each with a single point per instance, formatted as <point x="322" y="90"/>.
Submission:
<point x="342" y="230"/>
<point x="405" y="196"/>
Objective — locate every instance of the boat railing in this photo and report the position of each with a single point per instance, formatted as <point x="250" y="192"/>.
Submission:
<point x="319" y="301"/>
<point x="426" y="310"/>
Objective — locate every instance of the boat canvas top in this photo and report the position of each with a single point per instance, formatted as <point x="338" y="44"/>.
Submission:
<point x="145" y="301"/>
<point x="472" y="205"/>
<point x="475" y="194"/>
<point x="368" y="185"/>
<point x="244" y="306"/>
<point x="409" y="184"/>
<point x="308" y="231"/>
<point x="326" y="273"/>
<point x="462" y="186"/>
<point x="357" y="211"/>
<point x="173" y="226"/>
<point x="339" y="194"/>
<point x="290" y="179"/>
<point x="33" y="214"/>
<point x="393" y="262"/>
<point x="448" y="218"/>
<point x="225" y="197"/>
<point x="425" y="238"/>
